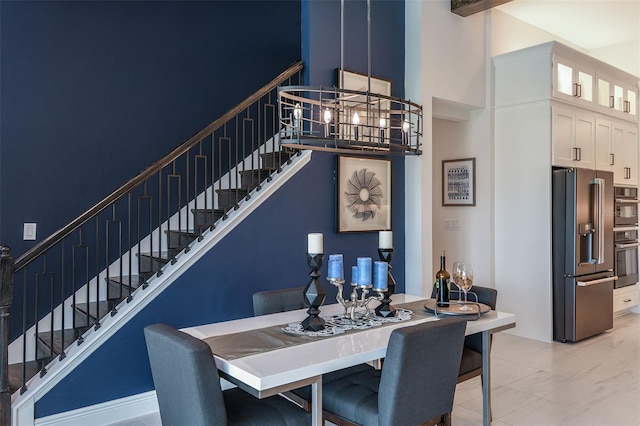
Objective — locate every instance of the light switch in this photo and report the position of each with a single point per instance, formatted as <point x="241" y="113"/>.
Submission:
<point x="29" y="232"/>
<point x="451" y="224"/>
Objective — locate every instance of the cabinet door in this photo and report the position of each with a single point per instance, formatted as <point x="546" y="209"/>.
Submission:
<point x="617" y="139"/>
<point x="585" y="140"/>
<point x="625" y="140"/>
<point x="630" y="152"/>
<point x="632" y="102"/>
<point x="573" y="82"/>
<point x="605" y="157"/>
<point x="564" y="153"/>
<point x="615" y="97"/>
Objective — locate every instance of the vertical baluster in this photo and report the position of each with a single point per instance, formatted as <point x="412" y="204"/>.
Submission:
<point x="96" y="274"/>
<point x="160" y="200"/>
<point x="25" y="272"/>
<point x="131" y="246"/>
<point x="62" y="354"/>
<point x="235" y="165"/>
<point x="219" y="179"/>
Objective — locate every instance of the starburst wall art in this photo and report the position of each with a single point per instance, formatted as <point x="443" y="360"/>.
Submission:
<point x="364" y="194"/>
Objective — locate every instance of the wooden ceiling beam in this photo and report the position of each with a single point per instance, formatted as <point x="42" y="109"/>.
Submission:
<point x="469" y="7"/>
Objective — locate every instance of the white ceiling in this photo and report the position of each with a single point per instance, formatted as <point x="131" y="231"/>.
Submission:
<point x="590" y="24"/>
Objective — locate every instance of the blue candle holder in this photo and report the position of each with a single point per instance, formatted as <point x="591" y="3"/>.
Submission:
<point x="314" y="294"/>
<point x="386" y="309"/>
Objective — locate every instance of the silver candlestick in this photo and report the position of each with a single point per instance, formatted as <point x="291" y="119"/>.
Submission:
<point x="356" y="301"/>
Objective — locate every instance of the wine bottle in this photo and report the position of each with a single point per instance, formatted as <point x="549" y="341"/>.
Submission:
<point x="442" y="281"/>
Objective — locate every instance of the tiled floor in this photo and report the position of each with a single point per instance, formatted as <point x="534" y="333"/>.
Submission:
<point x="593" y="382"/>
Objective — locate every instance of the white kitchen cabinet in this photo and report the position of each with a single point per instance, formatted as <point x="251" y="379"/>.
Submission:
<point x="573" y="138"/>
<point x="624" y="137"/>
<point x="616" y="97"/>
<point x="605" y="156"/>
<point x="573" y="81"/>
<point x="624" y="299"/>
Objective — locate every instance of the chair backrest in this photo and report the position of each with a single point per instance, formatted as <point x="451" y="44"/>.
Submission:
<point x="420" y="371"/>
<point x="273" y="301"/>
<point x="485" y="295"/>
<point x="489" y="297"/>
<point x="185" y="377"/>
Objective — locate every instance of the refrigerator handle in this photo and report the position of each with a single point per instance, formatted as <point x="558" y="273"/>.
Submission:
<point x="598" y="215"/>
<point x="593" y="282"/>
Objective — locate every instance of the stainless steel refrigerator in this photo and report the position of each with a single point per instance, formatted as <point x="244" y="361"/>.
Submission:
<point x="583" y="255"/>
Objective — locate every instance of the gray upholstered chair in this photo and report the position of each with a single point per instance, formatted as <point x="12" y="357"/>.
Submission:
<point x="471" y="364"/>
<point x="274" y="301"/>
<point x="416" y="384"/>
<point x="288" y="299"/>
<point x="188" y="387"/>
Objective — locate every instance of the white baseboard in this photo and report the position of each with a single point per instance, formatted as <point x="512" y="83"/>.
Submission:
<point x="106" y="413"/>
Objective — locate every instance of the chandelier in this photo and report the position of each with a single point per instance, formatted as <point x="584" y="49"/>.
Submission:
<point x="348" y="121"/>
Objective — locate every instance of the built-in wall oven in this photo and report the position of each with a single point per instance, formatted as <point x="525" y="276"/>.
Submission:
<point x="625" y="232"/>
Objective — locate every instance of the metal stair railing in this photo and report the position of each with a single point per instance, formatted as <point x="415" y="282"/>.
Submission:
<point x="68" y="282"/>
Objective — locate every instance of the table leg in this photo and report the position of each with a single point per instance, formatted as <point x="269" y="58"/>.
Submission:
<point x="316" y="402"/>
<point x="486" y="378"/>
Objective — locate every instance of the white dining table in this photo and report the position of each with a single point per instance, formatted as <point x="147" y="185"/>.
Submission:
<point x="275" y="371"/>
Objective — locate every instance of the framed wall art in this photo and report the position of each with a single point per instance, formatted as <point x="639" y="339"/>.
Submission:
<point x="356" y="81"/>
<point x="364" y="194"/>
<point x="459" y="182"/>
<point x="369" y="118"/>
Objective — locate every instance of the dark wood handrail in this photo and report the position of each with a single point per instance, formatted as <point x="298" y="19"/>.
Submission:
<point x="57" y="236"/>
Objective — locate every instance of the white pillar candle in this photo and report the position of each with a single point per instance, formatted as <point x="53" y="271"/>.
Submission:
<point x="314" y="243"/>
<point x="385" y="240"/>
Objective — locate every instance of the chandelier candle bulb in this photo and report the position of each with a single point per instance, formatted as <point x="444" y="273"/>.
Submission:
<point x="356" y="121"/>
<point x="327" y="122"/>
<point x="383" y="124"/>
<point x="314" y="243"/>
<point x="364" y="271"/>
<point x="385" y="240"/>
<point x="380" y="275"/>
<point x="336" y="270"/>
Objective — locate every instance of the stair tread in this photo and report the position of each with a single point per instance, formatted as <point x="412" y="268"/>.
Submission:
<point x="102" y="308"/>
<point x="207" y="210"/>
<point x="15" y="374"/>
<point x="193" y="232"/>
<point x="45" y="345"/>
<point x="127" y="281"/>
<point x="231" y="190"/>
<point x="163" y="256"/>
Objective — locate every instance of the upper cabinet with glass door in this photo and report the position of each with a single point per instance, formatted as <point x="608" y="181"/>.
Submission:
<point x="573" y="82"/>
<point x="616" y="97"/>
<point x="558" y="72"/>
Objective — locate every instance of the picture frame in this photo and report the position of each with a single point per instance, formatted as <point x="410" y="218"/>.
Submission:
<point x="355" y="81"/>
<point x="459" y="182"/>
<point x="363" y="194"/>
<point x="369" y="122"/>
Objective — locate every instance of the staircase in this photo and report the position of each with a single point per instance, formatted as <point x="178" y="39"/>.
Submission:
<point x="90" y="269"/>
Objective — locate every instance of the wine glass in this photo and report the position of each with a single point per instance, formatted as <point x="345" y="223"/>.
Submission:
<point x="455" y="277"/>
<point x="464" y="279"/>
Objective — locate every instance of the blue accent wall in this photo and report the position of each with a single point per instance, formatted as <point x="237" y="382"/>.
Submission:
<point x="95" y="91"/>
<point x="205" y="56"/>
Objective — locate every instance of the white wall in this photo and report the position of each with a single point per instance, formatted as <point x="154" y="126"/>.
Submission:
<point x="623" y="56"/>
<point x="473" y="241"/>
<point x="451" y="67"/>
<point x="509" y="34"/>
<point x="418" y="189"/>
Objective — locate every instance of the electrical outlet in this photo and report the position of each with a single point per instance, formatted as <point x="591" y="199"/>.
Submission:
<point x="29" y="232"/>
